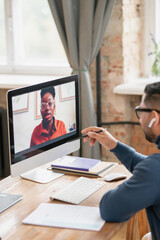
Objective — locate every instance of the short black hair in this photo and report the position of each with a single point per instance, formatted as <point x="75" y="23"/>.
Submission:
<point x="152" y="94"/>
<point x="48" y="89"/>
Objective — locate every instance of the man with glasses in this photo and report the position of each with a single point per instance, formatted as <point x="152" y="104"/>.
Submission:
<point x="50" y="127"/>
<point x="142" y="190"/>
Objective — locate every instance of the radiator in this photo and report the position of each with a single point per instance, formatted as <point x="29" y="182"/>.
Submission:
<point x="4" y="147"/>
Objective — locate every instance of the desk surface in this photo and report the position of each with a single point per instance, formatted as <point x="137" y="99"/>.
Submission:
<point x="11" y="226"/>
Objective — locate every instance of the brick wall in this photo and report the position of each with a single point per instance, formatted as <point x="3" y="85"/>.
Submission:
<point x="120" y="62"/>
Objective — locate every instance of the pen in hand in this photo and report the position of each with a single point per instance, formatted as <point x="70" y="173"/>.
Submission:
<point x="81" y="137"/>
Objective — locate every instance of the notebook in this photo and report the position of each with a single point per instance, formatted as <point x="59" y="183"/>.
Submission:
<point x="7" y="200"/>
<point x="66" y="216"/>
<point x="76" y="163"/>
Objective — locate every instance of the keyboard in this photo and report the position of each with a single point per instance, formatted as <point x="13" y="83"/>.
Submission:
<point x="78" y="190"/>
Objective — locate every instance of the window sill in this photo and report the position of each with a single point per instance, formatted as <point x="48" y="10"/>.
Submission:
<point x="132" y="88"/>
<point x="10" y="81"/>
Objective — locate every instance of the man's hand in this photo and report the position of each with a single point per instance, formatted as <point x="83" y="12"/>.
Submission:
<point x="104" y="137"/>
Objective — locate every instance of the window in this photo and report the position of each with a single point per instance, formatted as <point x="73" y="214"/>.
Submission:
<point x="30" y="42"/>
<point x="151" y="20"/>
<point x="3" y="52"/>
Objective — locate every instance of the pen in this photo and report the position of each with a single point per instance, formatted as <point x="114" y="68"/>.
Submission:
<point x="93" y="132"/>
<point x="81" y="137"/>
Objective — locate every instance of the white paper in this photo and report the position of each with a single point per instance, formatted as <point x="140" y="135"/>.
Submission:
<point x="66" y="216"/>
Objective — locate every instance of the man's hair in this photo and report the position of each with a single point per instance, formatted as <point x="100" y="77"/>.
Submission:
<point x="46" y="90"/>
<point x="152" y="95"/>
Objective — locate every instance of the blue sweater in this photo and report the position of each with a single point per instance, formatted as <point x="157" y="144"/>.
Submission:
<point x="142" y="190"/>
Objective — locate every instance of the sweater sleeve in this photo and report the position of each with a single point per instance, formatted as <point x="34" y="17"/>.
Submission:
<point x="127" y="156"/>
<point x="132" y="195"/>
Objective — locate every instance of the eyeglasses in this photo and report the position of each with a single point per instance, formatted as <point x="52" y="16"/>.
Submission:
<point x="138" y="110"/>
<point x="44" y="104"/>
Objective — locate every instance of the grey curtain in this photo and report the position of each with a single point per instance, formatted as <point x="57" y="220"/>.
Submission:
<point x="82" y="25"/>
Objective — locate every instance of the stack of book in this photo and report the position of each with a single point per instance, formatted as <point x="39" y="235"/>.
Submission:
<point x="82" y="166"/>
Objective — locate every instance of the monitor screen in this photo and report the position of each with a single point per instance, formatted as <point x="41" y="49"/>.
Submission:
<point x="43" y="123"/>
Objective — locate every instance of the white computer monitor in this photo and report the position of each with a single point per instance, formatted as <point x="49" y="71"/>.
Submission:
<point x="31" y="110"/>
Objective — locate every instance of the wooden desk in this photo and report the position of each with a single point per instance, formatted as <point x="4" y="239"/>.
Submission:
<point x="11" y="226"/>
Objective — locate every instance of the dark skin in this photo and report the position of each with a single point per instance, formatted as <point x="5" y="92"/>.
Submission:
<point x="48" y="112"/>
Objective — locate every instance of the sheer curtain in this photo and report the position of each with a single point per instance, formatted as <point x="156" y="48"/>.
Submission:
<point x="82" y="25"/>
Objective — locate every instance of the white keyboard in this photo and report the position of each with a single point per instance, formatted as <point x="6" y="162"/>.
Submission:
<point x="78" y="190"/>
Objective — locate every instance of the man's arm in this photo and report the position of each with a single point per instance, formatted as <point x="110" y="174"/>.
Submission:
<point x="128" y="156"/>
<point x="121" y="203"/>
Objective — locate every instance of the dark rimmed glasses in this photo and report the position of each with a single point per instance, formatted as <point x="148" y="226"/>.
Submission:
<point x="138" y="110"/>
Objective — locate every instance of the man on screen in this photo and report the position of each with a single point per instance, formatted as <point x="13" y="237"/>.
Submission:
<point x="49" y="128"/>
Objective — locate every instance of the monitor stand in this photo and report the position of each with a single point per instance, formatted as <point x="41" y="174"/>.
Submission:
<point x="41" y="175"/>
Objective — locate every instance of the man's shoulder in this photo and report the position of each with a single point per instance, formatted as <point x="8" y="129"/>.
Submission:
<point x="149" y="166"/>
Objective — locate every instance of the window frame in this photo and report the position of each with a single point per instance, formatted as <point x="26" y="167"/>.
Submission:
<point x="150" y="22"/>
<point x="11" y="67"/>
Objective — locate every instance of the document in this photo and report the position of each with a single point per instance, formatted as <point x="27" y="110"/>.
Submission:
<point x="66" y="216"/>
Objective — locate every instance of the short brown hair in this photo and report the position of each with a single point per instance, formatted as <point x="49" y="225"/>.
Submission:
<point x="152" y="94"/>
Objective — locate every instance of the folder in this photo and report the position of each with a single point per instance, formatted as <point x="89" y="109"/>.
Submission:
<point x="7" y="200"/>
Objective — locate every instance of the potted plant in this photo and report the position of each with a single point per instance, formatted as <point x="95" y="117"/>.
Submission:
<point x="156" y="62"/>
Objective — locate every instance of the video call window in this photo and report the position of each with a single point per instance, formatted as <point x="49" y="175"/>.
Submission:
<point x="43" y="117"/>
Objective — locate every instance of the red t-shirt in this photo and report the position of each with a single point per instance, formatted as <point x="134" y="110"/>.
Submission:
<point x="41" y="135"/>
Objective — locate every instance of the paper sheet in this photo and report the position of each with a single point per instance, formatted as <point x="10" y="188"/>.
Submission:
<point x="66" y="216"/>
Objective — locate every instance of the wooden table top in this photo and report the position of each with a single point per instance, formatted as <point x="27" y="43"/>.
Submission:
<point x="11" y="226"/>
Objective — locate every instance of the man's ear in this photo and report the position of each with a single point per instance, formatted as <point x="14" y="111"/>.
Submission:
<point x="151" y="122"/>
<point x="157" y="118"/>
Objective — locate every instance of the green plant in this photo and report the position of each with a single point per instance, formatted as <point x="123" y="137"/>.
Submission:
<point x="156" y="53"/>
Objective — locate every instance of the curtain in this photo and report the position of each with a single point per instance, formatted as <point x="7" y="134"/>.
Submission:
<point x="81" y="25"/>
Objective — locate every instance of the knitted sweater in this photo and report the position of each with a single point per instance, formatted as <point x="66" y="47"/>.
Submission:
<point x="142" y="190"/>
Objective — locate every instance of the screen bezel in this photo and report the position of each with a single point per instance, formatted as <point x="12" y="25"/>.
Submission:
<point x="41" y="148"/>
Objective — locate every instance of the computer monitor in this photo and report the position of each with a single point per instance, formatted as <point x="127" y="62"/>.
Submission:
<point x="43" y="123"/>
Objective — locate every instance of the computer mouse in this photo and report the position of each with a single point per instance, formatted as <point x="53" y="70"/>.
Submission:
<point x="114" y="176"/>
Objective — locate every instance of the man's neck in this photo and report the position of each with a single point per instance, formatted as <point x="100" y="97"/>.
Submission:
<point x="158" y="141"/>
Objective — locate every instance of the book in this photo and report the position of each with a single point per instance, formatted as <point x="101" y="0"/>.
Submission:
<point x="76" y="163"/>
<point x="99" y="170"/>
